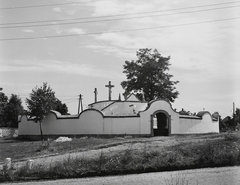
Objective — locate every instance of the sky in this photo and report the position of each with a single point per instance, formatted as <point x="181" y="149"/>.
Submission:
<point x="78" y="45"/>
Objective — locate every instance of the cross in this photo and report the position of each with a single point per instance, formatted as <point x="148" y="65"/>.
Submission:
<point x="95" y="92"/>
<point x="109" y="91"/>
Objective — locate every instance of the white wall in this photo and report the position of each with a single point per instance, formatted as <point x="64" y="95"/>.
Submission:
<point x="90" y="122"/>
<point x="204" y="125"/>
<point x="93" y="122"/>
<point x="124" y="125"/>
<point x="28" y="127"/>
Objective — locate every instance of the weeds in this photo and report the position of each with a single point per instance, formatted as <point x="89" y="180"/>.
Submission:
<point x="231" y="137"/>
<point x="7" y="174"/>
<point x="220" y="152"/>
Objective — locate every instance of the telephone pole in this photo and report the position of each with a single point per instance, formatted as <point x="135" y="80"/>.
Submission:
<point x="80" y="103"/>
<point x="233" y="109"/>
<point x="95" y="92"/>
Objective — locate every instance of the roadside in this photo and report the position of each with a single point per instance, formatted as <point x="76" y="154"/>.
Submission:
<point x="204" y="176"/>
<point x="92" y="147"/>
<point x="131" y="155"/>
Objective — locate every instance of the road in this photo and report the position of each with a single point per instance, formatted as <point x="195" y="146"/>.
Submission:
<point x="205" y="176"/>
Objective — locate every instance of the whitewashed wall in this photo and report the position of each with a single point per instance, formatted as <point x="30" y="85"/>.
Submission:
<point x="203" y="125"/>
<point x="93" y="122"/>
<point x="90" y="122"/>
<point x="123" y="125"/>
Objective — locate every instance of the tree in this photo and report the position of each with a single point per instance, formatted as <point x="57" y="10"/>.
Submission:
<point x="41" y="101"/>
<point x="3" y="104"/>
<point x="60" y="107"/>
<point x="148" y="74"/>
<point x="188" y="113"/>
<point x="237" y="116"/>
<point x="12" y="110"/>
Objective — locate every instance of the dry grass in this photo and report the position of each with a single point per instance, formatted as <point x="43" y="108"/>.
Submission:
<point x="18" y="150"/>
<point x="142" y="155"/>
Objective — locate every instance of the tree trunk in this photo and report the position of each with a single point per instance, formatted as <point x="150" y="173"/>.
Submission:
<point x="40" y="123"/>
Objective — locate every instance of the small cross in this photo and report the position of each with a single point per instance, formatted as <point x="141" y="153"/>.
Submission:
<point x="109" y="91"/>
<point x="95" y="92"/>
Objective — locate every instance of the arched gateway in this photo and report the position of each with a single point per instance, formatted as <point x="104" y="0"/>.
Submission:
<point x="161" y="123"/>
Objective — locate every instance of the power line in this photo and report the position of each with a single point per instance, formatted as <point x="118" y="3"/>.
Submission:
<point x="45" y="5"/>
<point x="69" y="97"/>
<point x="118" y="31"/>
<point x="72" y="3"/>
<point x="67" y="23"/>
<point x="129" y="14"/>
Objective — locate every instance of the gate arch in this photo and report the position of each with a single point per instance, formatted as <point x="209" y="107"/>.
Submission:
<point x="161" y="123"/>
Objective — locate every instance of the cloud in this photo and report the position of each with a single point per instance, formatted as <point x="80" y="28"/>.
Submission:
<point x="84" y="69"/>
<point x="28" y="31"/>
<point x="113" y="7"/>
<point x="65" y="10"/>
<point x="112" y="50"/>
<point x="75" y="31"/>
<point x="57" y="9"/>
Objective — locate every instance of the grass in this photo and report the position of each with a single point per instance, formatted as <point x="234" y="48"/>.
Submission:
<point x="18" y="150"/>
<point x="213" y="152"/>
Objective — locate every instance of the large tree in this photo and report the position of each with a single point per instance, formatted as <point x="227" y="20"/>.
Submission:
<point x="12" y="110"/>
<point x="42" y="100"/>
<point x="149" y="75"/>
<point x="3" y="104"/>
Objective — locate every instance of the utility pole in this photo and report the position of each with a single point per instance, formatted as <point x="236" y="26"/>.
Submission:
<point x="95" y="92"/>
<point x="233" y="109"/>
<point x="80" y="102"/>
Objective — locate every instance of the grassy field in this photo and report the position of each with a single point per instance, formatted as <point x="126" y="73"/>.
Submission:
<point x="19" y="150"/>
<point x="141" y="155"/>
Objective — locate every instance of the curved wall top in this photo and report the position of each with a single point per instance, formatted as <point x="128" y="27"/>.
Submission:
<point x="159" y="105"/>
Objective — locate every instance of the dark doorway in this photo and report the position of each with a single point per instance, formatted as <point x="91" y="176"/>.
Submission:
<point x="161" y="126"/>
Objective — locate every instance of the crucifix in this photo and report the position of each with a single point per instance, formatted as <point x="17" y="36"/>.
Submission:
<point x="110" y="86"/>
<point x="95" y="92"/>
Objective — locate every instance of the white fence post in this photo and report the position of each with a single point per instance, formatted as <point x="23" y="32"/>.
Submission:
<point x="7" y="163"/>
<point x="30" y="164"/>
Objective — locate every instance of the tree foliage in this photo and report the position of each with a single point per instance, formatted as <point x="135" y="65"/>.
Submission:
<point x="149" y="74"/>
<point x="3" y="104"/>
<point x="10" y="110"/>
<point x="237" y="116"/>
<point x="61" y="107"/>
<point x="42" y="100"/>
<point x="230" y="123"/>
<point x="187" y="113"/>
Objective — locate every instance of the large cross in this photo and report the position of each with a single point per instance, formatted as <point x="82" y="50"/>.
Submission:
<point x="109" y="91"/>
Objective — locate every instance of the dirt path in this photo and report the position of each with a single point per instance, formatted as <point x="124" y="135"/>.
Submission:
<point x="204" y="176"/>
